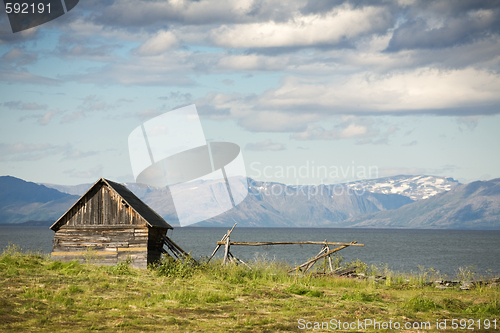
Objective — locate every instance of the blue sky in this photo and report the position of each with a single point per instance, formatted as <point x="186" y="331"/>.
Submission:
<point x="407" y="87"/>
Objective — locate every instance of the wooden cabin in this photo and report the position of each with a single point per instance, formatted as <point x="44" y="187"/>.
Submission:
<point x="108" y="225"/>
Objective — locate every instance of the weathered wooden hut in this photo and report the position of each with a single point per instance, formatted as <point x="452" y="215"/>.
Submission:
<point x="109" y="224"/>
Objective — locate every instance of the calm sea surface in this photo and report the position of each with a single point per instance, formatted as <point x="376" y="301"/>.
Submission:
<point x="402" y="250"/>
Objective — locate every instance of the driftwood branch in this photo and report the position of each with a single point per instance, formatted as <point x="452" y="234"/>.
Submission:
<point x="222" y="242"/>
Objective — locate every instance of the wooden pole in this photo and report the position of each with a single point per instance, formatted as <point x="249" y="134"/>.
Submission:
<point x="226" y="252"/>
<point x="286" y="243"/>
<point x="321" y="256"/>
<point x="221" y="241"/>
<point x="330" y="259"/>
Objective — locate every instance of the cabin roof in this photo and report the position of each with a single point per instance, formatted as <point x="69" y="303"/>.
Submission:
<point x="148" y="214"/>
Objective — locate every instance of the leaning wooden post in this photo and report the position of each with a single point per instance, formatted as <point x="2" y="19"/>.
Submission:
<point x="226" y="252"/>
<point x="329" y="258"/>
<point x="327" y="249"/>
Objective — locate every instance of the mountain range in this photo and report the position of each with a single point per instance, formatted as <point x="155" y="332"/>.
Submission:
<point x="393" y="202"/>
<point x="471" y="206"/>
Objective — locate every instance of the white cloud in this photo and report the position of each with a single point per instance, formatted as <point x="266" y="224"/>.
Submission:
<point x="470" y="122"/>
<point x="75" y="154"/>
<point x="339" y="25"/>
<point x="159" y="43"/>
<point x="302" y="101"/>
<point x="21" y="151"/>
<point x="421" y="91"/>
<point x="94" y="172"/>
<point x="364" y="130"/>
<point x="253" y="62"/>
<point x="45" y="119"/>
<point x="18" y="105"/>
<point x="265" y="145"/>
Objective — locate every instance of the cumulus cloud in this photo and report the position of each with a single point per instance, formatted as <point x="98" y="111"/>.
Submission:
<point x="101" y="53"/>
<point x="420" y="91"/>
<point x="19" y="57"/>
<point x="410" y="144"/>
<point x="11" y="75"/>
<point x="333" y="57"/>
<point x="363" y="130"/>
<point x="42" y="119"/>
<point x="22" y="151"/>
<point x="147" y="114"/>
<point x="76" y="154"/>
<point x="335" y="27"/>
<point x="265" y="145"/>
<point x="159" y="70"/>
<point x="159" y="43"/>
<point x="45" y="119"/>
<point x="470" y="121"/>
<point x="133" y="13"/>
<point x="299" y="102"/>
<point x="446" y="23"/>
<point x="73" y="116"/>
<point x="18" y="105"/>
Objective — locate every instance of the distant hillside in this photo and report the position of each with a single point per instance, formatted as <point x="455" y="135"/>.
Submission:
<point x="472" y="206"/>
<point x="22" y="201"/>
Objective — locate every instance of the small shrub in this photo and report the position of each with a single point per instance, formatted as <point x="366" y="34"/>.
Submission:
<point x="122" y="268"/>
<point x="361" y="266"/>
<point x="302" y="290"/>
<point x="420" y="303"/>
<point x="466" y="274"/>
<point x="170" y="267"/>
<point x="492" y="309"/>
<point x="453" y="304"/>
<point x="74" y="289"/>
<point x="216" y="298"/>
<point x="359" y="297"/>
<point x="184" y="296"/>
<point x="55" y="266"/>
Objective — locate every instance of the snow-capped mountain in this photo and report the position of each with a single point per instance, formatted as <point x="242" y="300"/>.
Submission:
<point x="413" y="187"/>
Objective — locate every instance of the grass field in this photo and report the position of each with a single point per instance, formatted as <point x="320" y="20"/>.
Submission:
<point x="38" y="294"/>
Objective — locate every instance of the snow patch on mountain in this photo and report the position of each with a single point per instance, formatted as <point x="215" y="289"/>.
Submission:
<point x="413" y="187"/>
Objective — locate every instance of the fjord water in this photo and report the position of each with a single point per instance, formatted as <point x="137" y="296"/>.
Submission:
<point x="401" y="249"/>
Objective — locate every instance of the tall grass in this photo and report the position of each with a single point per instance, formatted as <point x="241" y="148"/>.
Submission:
<point x="37" y="294"/>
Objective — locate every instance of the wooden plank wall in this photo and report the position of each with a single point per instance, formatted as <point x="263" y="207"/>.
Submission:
<point x="102" y="246"/>
<point x="101" y="206"/>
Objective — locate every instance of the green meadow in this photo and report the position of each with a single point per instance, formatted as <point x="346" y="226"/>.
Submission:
<point x="41" y="295"/>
